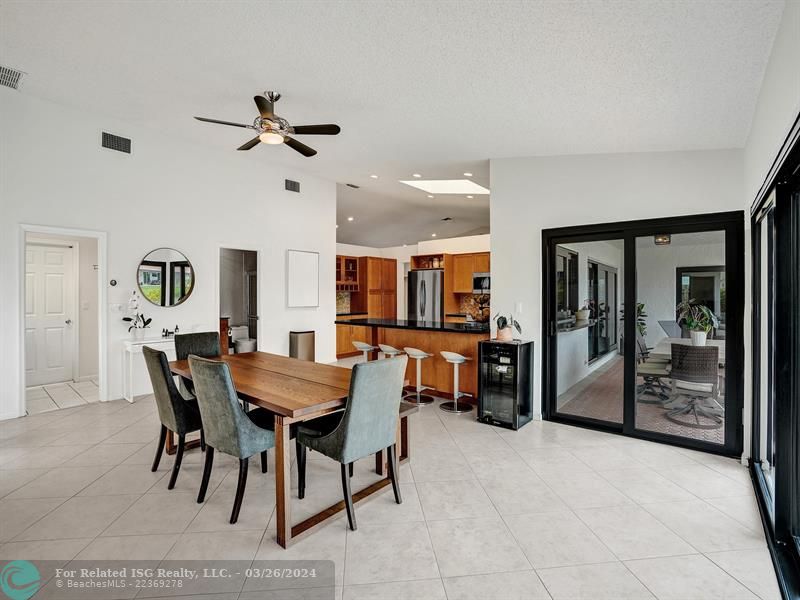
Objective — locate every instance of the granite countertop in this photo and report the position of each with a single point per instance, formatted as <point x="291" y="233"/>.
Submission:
<point x="350" y="314"/>
<point x="421" y="325"/>
<point x="577" y="325"/>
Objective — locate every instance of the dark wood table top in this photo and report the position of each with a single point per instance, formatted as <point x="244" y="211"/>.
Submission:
<point x="286" y="386"/>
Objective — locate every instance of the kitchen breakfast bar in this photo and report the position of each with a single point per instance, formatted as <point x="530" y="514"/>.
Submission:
<point x="431" y="337"/>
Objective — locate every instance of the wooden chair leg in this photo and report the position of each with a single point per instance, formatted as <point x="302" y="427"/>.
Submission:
<point x="201" y="496"/>
<point x="237" y="502"/>
<point x="178" y="458"/>
<point x="300" y="450"/>
<point x="264" y="466"/>
<point x="348" y="497"/>
<point x="392" y="464"/>
<point x="162" y="438"/>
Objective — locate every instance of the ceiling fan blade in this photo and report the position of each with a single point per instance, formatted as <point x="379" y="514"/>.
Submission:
<point x="251" y="144"/>
<point x="265" y="107"/>
<point x="223" y="122"/>
<point x="328" y="129"/>
<point x="299" y="146"/>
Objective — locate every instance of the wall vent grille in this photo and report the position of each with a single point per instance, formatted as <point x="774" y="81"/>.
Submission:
<point x="292" y="186"/>
<point x="10" y="77"/>
<point x="116" y="142"/>
<point x="353" y="185"/>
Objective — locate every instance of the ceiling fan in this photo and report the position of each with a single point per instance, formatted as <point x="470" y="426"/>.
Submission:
<point x="273" y="129"/>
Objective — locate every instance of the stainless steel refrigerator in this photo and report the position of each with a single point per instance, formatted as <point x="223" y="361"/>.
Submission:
<point x="426" y="295"/>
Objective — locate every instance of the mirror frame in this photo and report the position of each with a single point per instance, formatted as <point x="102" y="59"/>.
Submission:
<point x="166" y="277"/>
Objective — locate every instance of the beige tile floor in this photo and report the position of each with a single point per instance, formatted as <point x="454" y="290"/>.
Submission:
<point x="60" y="395"/>
<point x="549" y="511"/>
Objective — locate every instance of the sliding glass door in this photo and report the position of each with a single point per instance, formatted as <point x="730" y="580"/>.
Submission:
<point x="654" y="347"/>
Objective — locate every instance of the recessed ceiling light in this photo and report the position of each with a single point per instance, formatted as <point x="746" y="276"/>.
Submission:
<point x="433" y="235"/>
<point x="405" y="245"/>
<point x="350" y="218"/>
<point x="470" y="196"/>
<point x="467" y="174"/>
<point x="416" y="175"/>
<point x="374" y="176"/>
<point x="430" y="195"/>
<point x="447" y="186"/>
<point x="337" y="226"/>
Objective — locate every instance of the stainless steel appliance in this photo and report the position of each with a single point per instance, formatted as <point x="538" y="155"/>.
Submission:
<point x="481" y="283"/>
<point x="505" y="383"/>
<point x="426" y="295"/>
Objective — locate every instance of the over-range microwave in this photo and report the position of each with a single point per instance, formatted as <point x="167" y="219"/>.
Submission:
<point x="481" y="283"/>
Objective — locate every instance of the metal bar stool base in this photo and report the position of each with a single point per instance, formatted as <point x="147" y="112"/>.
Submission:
<point x="456" y="407"/>
<point x="421" y="399"/>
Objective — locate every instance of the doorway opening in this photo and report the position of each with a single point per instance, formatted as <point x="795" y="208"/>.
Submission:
<point x="647" y="372"/>
<point x="238" y="299"/>
<point x="63" y="325"/>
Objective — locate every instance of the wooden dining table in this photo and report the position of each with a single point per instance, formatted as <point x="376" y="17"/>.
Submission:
<point x="296" y="391"/>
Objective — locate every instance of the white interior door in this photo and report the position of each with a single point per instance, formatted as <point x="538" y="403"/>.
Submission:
<point x="49" y="313"/>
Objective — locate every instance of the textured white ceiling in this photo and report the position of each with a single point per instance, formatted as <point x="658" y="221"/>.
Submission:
<point x="430" y="87"/>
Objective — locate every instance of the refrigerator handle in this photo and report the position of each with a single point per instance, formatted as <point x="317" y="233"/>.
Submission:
<point x="422" y="299"/>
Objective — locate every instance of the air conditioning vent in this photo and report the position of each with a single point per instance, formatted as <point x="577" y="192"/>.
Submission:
<point x="116" y="142"/>
<point x="447" y="219"/>
<point x="10" y="77"/>
<point x="353" y="185"/>
<point x="292" y="186"/>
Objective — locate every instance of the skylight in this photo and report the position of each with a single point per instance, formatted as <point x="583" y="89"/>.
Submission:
<point x="447" y="186"/>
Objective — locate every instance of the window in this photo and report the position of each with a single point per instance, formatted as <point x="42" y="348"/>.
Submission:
<point x="566" y="280"/>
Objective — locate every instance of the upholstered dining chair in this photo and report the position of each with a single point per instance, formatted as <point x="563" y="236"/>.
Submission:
<point x="367" y="425"/>
<point x="230" y="429"/>
<point x="205" y="344"/>
<point x="176" y="413"/>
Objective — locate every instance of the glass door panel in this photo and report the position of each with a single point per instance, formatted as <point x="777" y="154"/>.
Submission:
<point x="590" y="370"/>
<point x="680" y="341"/>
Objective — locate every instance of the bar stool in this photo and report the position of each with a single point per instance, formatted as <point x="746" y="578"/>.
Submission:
<point x="415" y="396"/>
<point x="365" y="348"/>
<point x="454" y="407"/>
<point x="389" y="351"/>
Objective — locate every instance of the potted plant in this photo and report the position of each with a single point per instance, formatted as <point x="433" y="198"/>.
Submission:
<point x="698" y="319"/>
<point x="504" y="324"/>
<point x="585" y="311"/>
<point x="137" y="320"/>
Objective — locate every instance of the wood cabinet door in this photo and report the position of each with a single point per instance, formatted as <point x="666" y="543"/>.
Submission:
<point x="374" y="273"/>
<point x="482" y="264"/>
<point x="343" y="339"/>
<point x="389" y="275"/>
<point x="389" y="305"/>
<point x="375" y="304"/>
<point x="463" y="268"/>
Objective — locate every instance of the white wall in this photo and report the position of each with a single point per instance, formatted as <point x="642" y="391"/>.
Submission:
<point x="776" y="110"/>
<point x="655" y="276"/>
<point x="458" y="245"/>
<point x="167" y="193"/>
<point x="531" y="194"/>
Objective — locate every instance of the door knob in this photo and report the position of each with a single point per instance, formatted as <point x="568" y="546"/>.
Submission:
<point x="68" y="321"/>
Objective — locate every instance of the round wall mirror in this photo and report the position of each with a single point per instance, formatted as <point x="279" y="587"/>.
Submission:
<point x="165" y="277"/>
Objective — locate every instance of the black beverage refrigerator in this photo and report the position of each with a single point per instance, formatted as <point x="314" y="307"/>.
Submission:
<point x="505" y="383"/>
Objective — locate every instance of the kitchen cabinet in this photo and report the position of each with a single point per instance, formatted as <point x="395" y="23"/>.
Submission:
<point x="374" y="273"/>
<point x="346" y="274"/>
<point x="378" y="287"/>
<point x="347" y="334"/>
<point x="464" y="266"/>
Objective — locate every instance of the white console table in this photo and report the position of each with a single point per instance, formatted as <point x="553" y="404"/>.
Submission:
<point x="130" y="349"/>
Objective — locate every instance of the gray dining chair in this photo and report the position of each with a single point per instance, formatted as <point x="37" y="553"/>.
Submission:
<point x="176" y="413"/>
<point x="653" y="371"/>
<point x="367" y="425"/>
<point x="230" y="429"/>
<point x="205" y="344"/>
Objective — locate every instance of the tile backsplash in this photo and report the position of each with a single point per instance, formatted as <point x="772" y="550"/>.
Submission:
<point x="342" y="302"/>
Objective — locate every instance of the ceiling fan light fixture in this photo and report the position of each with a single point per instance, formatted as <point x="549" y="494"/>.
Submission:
<point x="270" y="137"/>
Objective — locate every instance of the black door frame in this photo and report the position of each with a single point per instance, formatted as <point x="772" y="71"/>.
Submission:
<point x="782" y="528"/>
<point x="732" y="223"/>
